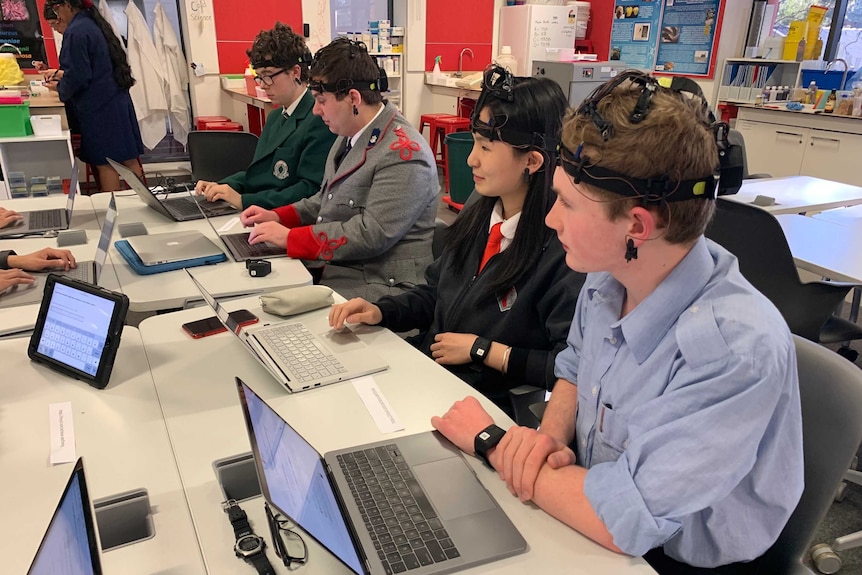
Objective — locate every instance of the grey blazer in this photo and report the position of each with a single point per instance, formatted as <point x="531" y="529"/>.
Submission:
<point x="372" y="221"/>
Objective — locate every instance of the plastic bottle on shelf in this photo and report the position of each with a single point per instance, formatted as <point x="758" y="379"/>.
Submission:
<point x="396" y="66"/>
<point x="436" y="74"/>
<point x="506" y="60"/>
<point x="811" y="97"/>
<point x="830" y="102"/>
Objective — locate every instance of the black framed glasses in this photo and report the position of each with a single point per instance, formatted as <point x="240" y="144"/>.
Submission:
<point x="267" y="80"/>
<point x="289" y="545"/>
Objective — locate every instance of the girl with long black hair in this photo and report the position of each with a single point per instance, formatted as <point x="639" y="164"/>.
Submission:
<point x="94" y="80"/>
<point x="499" y="300"/>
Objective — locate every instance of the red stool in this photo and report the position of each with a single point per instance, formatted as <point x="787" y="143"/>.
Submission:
<point x="202" y="121"/>
<point x="224" y="126"/>
<point x="430" y="120"/>
<point x="446" y="126"/>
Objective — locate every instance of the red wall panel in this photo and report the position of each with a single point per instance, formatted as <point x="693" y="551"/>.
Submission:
<point x="452" y="25"/>
<point x="237" y="22"/>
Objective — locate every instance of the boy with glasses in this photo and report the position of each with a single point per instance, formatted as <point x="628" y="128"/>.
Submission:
<point x="290" y="156"/>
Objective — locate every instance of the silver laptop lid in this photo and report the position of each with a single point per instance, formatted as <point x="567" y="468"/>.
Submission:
<point x="155" y="249"/>
<point x="139" y="188"/>
<point x="293" y="479"/>
<point x="105" y="238"/>
<point x="73" y="191"/>
<point x="70" y="544"/>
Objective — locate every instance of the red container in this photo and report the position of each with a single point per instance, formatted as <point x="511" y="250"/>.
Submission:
<point x="201" y="121"/>
<point x="224" y="126"/>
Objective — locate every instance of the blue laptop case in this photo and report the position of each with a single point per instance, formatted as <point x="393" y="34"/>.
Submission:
<point x="136" y="264"/>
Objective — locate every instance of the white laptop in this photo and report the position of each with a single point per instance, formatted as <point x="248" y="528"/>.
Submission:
<point x="169" y="247"/>
<point x="88" y="271"/>
<point x="301" y="354"/>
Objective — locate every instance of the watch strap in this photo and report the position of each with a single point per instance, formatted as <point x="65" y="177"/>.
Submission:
<point x="486" y="440"/>
<point x="261" y="563"/>
<point x="239" y="521"/>
<point x="480" y="349"/>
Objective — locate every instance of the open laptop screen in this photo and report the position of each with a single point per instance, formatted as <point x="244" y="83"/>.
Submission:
<point x="293" y="478"/>
<point x="69" y="546"/>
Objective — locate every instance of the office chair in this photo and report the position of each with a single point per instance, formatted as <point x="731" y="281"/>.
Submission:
<point x="215" y="155"/>
<point x="831" y="396"/>
<point x="755" y="237"/>
<point x="438" y="242"/>
<point x="736" y="137"/>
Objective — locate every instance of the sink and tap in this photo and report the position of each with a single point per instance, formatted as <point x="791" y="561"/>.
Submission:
<point x="460" y="71"/>
<point x="846" y="69"/>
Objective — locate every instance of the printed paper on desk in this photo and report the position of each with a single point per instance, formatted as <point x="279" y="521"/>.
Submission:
<point x="62" y="431"/>
<point x="228" y="224"/>
<point x="376" y="404"/>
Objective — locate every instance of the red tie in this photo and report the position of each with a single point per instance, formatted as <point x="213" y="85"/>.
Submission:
<point x="493" y="247"/>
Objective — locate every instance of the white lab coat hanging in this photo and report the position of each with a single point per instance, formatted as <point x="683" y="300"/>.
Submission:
<point x="148" y="94"/>
<point x="175" y="69"/>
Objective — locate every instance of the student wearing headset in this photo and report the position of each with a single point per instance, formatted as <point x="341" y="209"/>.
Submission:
<point x="497" y="305"/>
<point x="678" y="390"/>
<point x="290" y="156"/>
<point x="368" y="232"/>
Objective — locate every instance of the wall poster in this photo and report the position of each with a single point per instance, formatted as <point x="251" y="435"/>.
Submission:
<point x="19" y="28"/>
<point x="667" y="36"/>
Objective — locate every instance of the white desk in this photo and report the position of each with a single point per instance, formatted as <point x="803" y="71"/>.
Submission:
<point x="170" y="290"/>
<point x="195" y="383"/>
<point x="823" y="247"/>
<point x="14" y="320"/>
<point x="851" y="216"/>
<point x="120" y="432"/>
<point x="799" y="194"/>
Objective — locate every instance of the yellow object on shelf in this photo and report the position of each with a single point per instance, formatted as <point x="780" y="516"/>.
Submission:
<point x="795" y="40"/>
<point x="813" y="44"/>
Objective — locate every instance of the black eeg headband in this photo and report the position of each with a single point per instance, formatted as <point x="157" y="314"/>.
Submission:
<point x="654" y="190"/>
<point x="344" y="85"/>
<point x="303" y="59"/>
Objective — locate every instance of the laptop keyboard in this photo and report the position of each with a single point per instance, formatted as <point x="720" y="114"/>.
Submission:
<point x="83" y="272"/>
<point x="182" y="207"/>
<point x="242" y="249"/>
<point x="46" y="219"/>
<point x="298" y="348"/>
<point x="406" y="531"/>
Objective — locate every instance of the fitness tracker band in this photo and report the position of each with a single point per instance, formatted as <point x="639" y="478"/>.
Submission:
<point x="480" y="349"/>
<point x="248" y="547"/>
<point x="486" y="440"/>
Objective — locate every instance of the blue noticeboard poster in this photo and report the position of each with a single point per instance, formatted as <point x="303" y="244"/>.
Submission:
<point x="667" y="36"/>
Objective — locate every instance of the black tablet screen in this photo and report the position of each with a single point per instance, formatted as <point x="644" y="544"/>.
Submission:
<point x="76" y="328"/>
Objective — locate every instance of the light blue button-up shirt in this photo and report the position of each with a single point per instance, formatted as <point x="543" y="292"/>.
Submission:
<point x="688" y="412"/>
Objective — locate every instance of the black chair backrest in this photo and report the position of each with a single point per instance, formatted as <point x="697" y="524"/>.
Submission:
<point x="215" y="154"/>
<point x="755" y="237"/>
<point x="830" y="389"/>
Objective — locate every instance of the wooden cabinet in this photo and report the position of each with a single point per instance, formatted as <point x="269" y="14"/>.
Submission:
<point x="792" y="144"/>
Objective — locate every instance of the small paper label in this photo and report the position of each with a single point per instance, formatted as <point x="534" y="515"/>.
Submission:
<point x="229" y="224"/>
<point x="377" y="405"/>
<point x="62" y="431"/>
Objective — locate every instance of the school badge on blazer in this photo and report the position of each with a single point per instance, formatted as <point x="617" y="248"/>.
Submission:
<point x="508" y="299"/>
<point x="280" y="170"/>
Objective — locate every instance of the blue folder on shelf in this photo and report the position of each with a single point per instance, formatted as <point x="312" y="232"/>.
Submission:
<point x="140" y="268"/>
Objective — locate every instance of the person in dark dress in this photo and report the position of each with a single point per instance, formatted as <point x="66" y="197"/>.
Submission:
<point x="94" y="79"/>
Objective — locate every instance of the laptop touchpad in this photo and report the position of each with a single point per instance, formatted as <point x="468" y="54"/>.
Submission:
<point x="341" y="340"/>
<point x="452" y="488"/>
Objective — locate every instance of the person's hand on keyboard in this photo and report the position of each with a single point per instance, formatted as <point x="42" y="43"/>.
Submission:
<point x="44" y="259"/>
<point x="9" y="217"/>
<point x="214" y="192"/>
<point x="272" y="233"/>
<point x="255" y="214"/>
<point x="9" y="278"/>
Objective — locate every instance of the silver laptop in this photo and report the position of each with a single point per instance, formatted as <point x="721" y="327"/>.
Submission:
<point x="41" y="221"/>
<point x="301" y="354"/>
<point x="70" y="545"/>
<point x="408" y="504"/>
<point x="169" y="247"/>
<point x="239" y="248"/>
<point x="179" y="209"/>
<point x="88" y="271"/>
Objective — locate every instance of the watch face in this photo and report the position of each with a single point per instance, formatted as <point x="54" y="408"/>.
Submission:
<point x="249" y="545"/>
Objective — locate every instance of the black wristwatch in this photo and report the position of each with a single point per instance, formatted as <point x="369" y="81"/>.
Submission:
<point x="248" y="547"/>
<point x="486" y="440"/>
<point x="480" y="349"/>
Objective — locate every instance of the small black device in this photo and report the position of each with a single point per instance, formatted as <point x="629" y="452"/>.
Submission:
<point x="211" y="325"/>
<point x="248" y="547"/>
<point x="78" y="329"/>
<point x="486" y="440"/>
<point x="480" y="349"/>
<point x="258" y="268"/>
